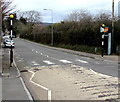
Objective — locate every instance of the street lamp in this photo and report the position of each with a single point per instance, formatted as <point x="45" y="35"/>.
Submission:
<point x="52" y="25"/>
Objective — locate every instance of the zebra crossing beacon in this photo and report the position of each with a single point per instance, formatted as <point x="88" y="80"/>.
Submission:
<point x="11" y="17"/>
<point x="106" y="39"/>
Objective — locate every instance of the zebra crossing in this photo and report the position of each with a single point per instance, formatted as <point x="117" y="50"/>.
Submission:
<point x="62" y="61"/>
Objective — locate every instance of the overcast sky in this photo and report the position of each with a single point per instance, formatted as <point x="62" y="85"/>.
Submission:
<point x="63" y="7"/>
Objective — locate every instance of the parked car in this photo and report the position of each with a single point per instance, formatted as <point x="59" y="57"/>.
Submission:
<point x="9" y="43"/>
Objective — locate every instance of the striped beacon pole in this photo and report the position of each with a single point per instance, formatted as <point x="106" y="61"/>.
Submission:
<point x="102" y="45"/>
<point x="102" y="27"/>
<point x="103" y="30"/>
<point x="11" y="16"/>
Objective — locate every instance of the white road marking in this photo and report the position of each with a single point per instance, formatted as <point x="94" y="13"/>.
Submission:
<point x="102" y="74"/>
<point x="82" y="61"/>
<point x="46" y="55"/>
<point x="65" y="61"/>
<point x="35" y="63"/>
<point x="49" y="91"/>
<point x="36" y="51"/>
<point x="48" y="62"/>
<point x="19" y="60"/>
<point x="97" y="63"/>
<point x="93" y="71"/>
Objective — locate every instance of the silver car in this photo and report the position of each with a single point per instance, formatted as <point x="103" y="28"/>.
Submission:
<point x="9" y="43"/>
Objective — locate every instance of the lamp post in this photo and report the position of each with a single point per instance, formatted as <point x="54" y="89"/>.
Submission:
<point x="52" y="42"/>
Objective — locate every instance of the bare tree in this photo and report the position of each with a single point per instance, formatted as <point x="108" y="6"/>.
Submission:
<point x="79" y="15"/>
<point x="73" y="16"/>
<point x="31" y="16"/>
<point x="103" y="18"/>
<point x="85" y="15"/>
<point x="6" y="7"/>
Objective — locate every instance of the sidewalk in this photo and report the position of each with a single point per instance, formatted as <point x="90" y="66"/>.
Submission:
<point x="12" y="87"/>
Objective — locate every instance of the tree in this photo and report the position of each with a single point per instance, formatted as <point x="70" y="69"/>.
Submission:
<point x="6" y="7"/>
<point x="31" y="16"/>
<point x="73" y="16"/>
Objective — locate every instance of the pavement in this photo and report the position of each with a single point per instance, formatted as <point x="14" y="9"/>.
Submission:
<point x="12" y="84"/>
<point x="13" y="87"/>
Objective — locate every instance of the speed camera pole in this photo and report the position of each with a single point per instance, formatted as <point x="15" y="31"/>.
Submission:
<point x="11" y="16"/>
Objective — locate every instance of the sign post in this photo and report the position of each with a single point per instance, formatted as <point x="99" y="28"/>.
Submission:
<point x="109" y="43"/>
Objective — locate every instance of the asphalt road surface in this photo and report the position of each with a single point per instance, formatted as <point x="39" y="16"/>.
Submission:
<point x="32" y="54"/>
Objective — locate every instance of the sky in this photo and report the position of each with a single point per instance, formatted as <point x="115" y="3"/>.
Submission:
<point x="61" y="8"/>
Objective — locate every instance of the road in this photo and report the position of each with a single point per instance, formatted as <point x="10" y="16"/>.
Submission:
<point x="32" y="54"/>
<point x="51" y="73"/>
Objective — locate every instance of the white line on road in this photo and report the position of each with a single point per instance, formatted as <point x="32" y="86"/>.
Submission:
<point x="65" y="61"/>
<point x="93" y="71"/>
<point x="97" y="63"/>
<point x="46" y="55"/>
<point x="49" y="91"/>
<point x="48" y="62"/>
<point x="101" y="74"/>
<point x="82" y="61"/>
<point x="36" y="51"/>
<point x="35" y="63"/>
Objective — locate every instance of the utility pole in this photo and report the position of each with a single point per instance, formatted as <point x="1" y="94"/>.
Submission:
<point x="113" y="20"/>
<point x="0" y="18"/>
<point x="52" y="38"/>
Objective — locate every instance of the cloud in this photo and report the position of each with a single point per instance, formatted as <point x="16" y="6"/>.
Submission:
<point x="62" y="7"/>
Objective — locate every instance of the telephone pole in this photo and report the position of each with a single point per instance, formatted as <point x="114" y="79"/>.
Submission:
<point x="113" y="20"/>
<point x="52" y="40"/>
